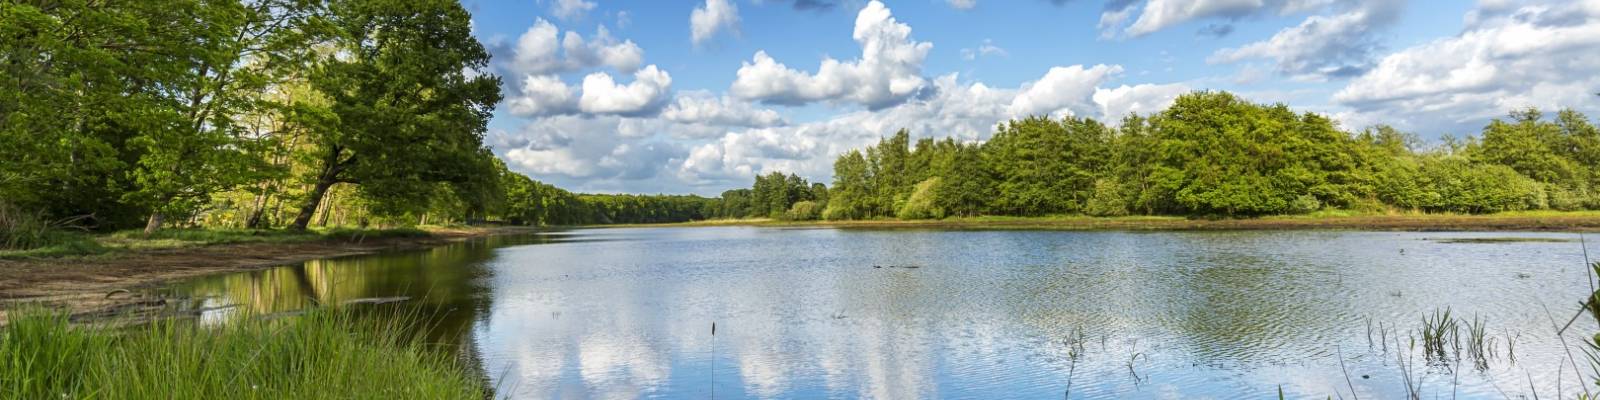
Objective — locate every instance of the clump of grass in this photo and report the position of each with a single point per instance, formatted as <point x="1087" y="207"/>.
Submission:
<point x="321" y="354"/>
<point x="33" y="234"/>
<point x="1440" y="335"/>
<point x="1479" y="344"/>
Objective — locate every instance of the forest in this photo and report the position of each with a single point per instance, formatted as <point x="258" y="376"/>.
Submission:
<point x="1210" y="154"/>
<point x="284" y="114"/>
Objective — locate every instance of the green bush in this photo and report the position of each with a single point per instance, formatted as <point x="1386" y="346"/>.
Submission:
<point x="1457" y="185"/>
<point x="923" y="202"/>
<point x="1107" y="200"/>
<point x="1304" y="204"/>
<point x="804" y="211"/>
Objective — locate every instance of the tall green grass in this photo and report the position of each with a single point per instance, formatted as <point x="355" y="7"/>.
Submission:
<point x="321" y="354"/>
<point x="209" y="236"/>
<point x="27" y="233"/>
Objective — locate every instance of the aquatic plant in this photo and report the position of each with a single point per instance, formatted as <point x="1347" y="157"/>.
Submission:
<point x="1440" y="334"/>
<point x="1075" y="351"/>
<point x="1479" y="344"/>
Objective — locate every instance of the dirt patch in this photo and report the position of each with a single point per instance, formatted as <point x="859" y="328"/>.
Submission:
<point x="90" y="284"/>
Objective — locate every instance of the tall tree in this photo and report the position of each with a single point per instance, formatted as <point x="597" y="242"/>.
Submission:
<point x="1044" y="166"/>
<point x="406" y="108"/>
<point x="221" y="66"/>
<point x="851" y="196"/>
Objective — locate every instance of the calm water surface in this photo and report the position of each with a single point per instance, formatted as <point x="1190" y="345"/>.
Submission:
<point x="824" y="313"/>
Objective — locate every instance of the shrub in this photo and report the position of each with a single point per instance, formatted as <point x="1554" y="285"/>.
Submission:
<point x="1305" y="203"/>
<point x="804" y="211"/>
<point x="1458" y="185"/>
<point x="922" y="204"/>
<point x="1107" y="200"/>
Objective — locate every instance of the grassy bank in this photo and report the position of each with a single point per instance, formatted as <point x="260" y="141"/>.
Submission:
<point x="75" y="243"/>
<point x="1522" y="221"/>
<point x="322" y="354"/>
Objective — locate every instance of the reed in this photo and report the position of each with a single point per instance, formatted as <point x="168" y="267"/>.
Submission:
<point x="1440" y="336"/>
<point x="1480" y="346"/>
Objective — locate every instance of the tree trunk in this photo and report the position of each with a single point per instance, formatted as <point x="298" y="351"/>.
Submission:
<point x="331" y="166"/>
<point x="154" y="224"/>
<point x="257" y="207"/>
<point x="313" y="201"/>
<point x="327" y="209"/>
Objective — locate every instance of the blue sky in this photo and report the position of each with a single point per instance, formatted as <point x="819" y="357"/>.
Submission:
<point x="699" y="96"/>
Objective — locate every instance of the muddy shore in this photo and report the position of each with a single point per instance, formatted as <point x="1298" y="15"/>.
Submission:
<point x="84" y="285"/>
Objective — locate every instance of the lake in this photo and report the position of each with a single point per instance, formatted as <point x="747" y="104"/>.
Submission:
<point x="828" y="313"/>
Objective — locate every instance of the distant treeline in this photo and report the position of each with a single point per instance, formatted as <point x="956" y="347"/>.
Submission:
<point x="530" y="202"/>
<point x="1209" y="154"/>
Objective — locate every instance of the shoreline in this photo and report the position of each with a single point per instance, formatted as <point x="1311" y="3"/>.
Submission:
<point x="1578" y="221"/>
<point x="82" y="284"/>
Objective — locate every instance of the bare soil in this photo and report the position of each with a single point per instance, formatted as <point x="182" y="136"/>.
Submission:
<point x="91" y="284"/>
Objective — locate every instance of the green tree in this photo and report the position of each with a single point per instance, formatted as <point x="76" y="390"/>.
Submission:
<point x="78" y="80"/>
<point x="852" y="194"/>
<point x="398" y="74"/>
<point x="889" y="166"/>
<point x="1043" y="166"/>
<point x="1551" y="152"/>
<point x="220" y="69"/>
<point x="965" y="185"/>
<point x="1227" y="156"/>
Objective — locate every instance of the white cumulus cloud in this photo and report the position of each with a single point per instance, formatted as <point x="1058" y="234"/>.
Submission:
<point x="1156" y="15"/>
<point x="703" y="108"/>
<point x="1143" y="99"/>
<point x="542" y="49"/>
<point x="646" y="94"/>
<point x="716" y="15"/>
<point x="1062" y="91"/>
<point x="1322" y="47"/>
<point x="888" y="72"/>
<point x="543" y="95"/>
<point x="1539" y="55"/>
<point x="1160" y="14"/>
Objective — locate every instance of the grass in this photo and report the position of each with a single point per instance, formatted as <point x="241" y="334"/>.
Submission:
<point x="82" y="244"/>
<point x="35" y="235"/>
<point x="1440" y="335"/>
<point x="321" y="354"/>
